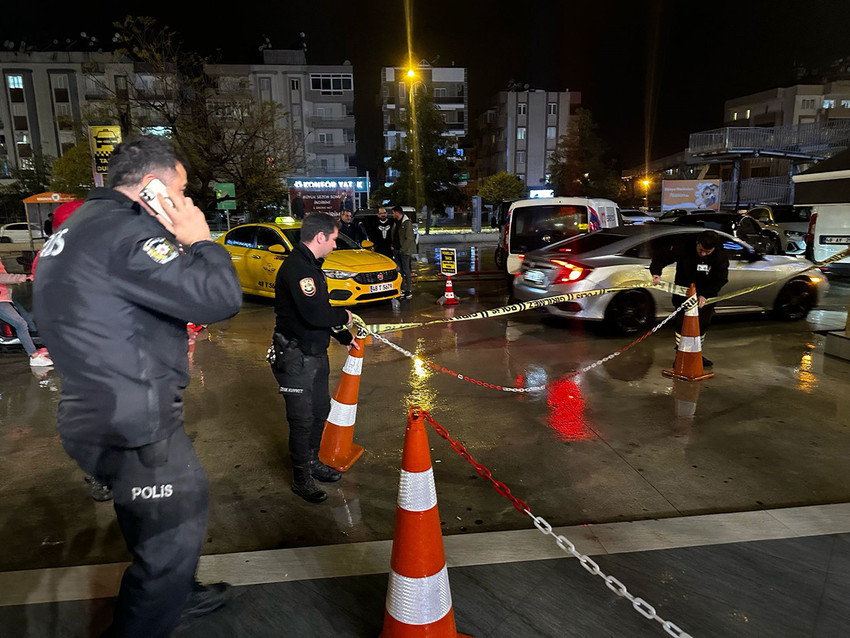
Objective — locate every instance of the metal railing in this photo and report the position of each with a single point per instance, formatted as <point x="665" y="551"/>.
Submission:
<point x="815" y="139"/>
<point x="762" y="190"/>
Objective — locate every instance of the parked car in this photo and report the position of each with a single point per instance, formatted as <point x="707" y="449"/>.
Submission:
<point x="17" y="232"/>
<point x="529" y="224"/>
<point x="766" y="240"/>
<point x="793" y="220"/>
<point x="614" y="257"/>
<point x="828" y="234"/>
<point x="354" y="275"/>
<point x="674" y="213"/>
<point x="635" y="216"/>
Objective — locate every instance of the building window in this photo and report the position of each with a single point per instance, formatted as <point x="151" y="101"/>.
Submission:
<point x="521" y="108"/>
<point x="265" y="89"/>
<point x="95" y="85"/>
<point x="520" y="133"/>
<point x="520" y="157"/>
<point x="331" y="83"/>
<point x="440" y="92"/>
<point x="15" y="81"/>
<point x="326" y="138"/>
<point x="553" y="108"/>
<point x="735" y="115"/>
<point x="551" y="132"/>
<point x="829" y="104"/>
<point x="809" y="103"/>
<point x="295" y="84"/>
<point x="845" y="104"/>
<point x="747" y="116"/>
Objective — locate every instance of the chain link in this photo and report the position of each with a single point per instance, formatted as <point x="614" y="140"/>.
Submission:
<point x="592" y="567"/>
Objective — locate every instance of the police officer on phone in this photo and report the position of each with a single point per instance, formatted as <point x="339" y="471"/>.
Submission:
<point x="305" y="321"/>
<point x="116" y="286"/>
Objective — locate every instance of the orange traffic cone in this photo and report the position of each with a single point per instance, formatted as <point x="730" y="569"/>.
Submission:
<point x="688" y="364"/>
<point x="448" y="298"/>
<point x="419" y="601"/>
<point x="338" y="448"/>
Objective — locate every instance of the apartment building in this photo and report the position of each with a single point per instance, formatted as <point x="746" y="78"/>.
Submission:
<point x="45" y="95"/>
<point x="799" y="104"/>
<point x="448" y="85"/>
<point x="519" y="132"/>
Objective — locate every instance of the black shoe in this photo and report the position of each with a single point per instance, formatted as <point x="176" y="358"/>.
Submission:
<point x="100" y="492"/>
<point x="323" y="473"/>
<point x="707" y="363"/>
<point x="408" y="295"/>
<point x="206" y="599"/>
<point x="304" y="485"/>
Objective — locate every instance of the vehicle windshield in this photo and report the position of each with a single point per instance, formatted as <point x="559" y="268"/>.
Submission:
<point x="343" y="242"/>
<point x="586" y="243"/>
<point x="536" y="226"/>
<point x="791" y="215"/>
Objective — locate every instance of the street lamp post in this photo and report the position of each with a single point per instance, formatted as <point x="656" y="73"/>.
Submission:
<point x="645" y="194"/>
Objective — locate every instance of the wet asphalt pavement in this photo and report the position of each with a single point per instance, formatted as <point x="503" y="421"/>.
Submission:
<point x="620" y="442"/>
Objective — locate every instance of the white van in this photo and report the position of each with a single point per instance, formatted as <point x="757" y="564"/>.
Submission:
<point x="530" y="224"/>
<point x="829" y="233"/>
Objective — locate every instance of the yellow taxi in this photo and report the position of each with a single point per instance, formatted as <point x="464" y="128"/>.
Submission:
<point x="355" y="275"/>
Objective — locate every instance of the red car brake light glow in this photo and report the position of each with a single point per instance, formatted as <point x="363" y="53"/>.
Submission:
<point x="570" y="273"/>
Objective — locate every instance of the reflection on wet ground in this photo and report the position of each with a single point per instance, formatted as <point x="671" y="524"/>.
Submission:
<point x="619" y="442"/>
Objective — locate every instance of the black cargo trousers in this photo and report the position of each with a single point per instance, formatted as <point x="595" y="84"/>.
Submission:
<point x="160" y="496"/>
<point x="303" y="381"/>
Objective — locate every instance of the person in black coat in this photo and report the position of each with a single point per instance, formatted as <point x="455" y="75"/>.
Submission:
<point x="701" y="261"/>
<point x="304" y="324"/>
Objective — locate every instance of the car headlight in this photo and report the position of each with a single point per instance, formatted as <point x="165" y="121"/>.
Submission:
<point x="340" y="274"/>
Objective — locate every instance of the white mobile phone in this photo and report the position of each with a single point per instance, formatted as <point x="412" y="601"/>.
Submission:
<point x="148" y="194"/>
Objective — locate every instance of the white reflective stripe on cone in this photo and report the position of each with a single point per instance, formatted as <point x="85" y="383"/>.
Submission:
<point x="342" y="414"/>
<point x="353" y="366"/>
<point x="690" y="344"/>
<point x="419" y="601"/>
<point x="416" y="491"/>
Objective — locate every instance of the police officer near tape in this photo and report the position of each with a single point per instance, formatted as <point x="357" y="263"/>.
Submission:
<point x="116" y="287"/>
<point x="305" y="321"/>
<point x="701" y="262"/>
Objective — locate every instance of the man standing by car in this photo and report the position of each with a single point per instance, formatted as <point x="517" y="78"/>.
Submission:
<point x="404" y="247"/>
<point x="380" y="232"/>
<point x="702" y="262"/>
<point x="349" y="228"/>
<point x="305" y="321"/>
<point x="116" y="286"/>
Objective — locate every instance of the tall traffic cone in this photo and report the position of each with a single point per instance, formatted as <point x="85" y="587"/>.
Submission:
<point x="448" y="298"/>
<point x="688" y="364"/>
<point x="419" y="601"/>
<point x="338" y="448"/>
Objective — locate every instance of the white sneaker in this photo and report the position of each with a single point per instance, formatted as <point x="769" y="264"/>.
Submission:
<point x="41" y="360"/>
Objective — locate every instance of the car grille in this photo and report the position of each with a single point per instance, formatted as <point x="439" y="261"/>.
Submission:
<point x="381" y="277"/>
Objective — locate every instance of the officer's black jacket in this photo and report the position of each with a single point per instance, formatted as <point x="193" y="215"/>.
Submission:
<point x="113" y="295"/>
<point x="688" y="263"/>
<point x="302" y="305"/>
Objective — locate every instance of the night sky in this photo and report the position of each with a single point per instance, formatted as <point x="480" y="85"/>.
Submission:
<point x="678" y="61"/>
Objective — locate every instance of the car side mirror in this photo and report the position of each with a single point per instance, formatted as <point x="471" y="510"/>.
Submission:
<point x="368" y="245"/>
<point x="277" y="249"/>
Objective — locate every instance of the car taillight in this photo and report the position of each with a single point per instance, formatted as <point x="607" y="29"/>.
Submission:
<point x="569" y="273"/>
<point x="810" y="235"/>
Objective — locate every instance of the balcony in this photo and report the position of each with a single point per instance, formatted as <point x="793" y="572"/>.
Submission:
<point x="802" y="141"/>
<point x="449" y="99"/>
<point x="331" y="148"/>
<point x="346" y="122"/>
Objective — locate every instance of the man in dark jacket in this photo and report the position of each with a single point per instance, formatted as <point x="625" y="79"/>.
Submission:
<point x="351" y="229"/>
<point x="404" y="247"/>
<point x="305" y="321"/>
<point x="116" y="287"/>
<point x="380" y="231"/>
<point x="700" y="261"/>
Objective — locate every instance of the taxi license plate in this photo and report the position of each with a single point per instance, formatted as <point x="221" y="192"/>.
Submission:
<point x="534" y="276"/>
<point x="835" y="239"/>
<point x="380" y="287"/>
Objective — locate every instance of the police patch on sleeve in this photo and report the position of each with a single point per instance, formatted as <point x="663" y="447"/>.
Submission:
<point x="308" y="286"/>
<point x="160" y="250"/>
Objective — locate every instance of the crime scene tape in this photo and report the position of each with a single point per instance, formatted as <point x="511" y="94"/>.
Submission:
<point x="689" y="303"/>
<point x="503" y="311"/>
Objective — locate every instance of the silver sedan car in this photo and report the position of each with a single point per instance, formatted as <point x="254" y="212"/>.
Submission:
<point x="620" y="257"/>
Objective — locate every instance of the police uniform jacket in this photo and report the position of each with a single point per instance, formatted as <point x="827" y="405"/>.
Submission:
<point x="113" y="296"/>
<point x="302" y="305"/>
<point x="709" y="273"/>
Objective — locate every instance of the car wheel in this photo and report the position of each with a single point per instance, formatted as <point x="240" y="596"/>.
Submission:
<point x="794" y="301"/>
<point x="5" y="240"/>
<point x="499" y="257"/>
<point x="630" y="312"/>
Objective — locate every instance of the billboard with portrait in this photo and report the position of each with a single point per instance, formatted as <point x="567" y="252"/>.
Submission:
<point x="690" y="193"/>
